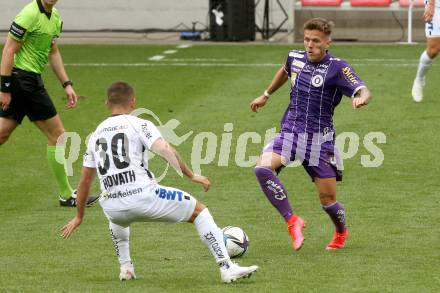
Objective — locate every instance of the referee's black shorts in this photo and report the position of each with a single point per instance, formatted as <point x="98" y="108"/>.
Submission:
<point x="28" y="98"/>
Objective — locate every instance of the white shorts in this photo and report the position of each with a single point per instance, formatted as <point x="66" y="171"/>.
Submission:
<point x="432" y="29"/>
<point x="167" y="204"/>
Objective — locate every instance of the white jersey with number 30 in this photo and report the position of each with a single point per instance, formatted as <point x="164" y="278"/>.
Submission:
<point x="117" y="150"/>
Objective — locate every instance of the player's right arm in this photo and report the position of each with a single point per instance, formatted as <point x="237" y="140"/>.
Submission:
<point x="165" y="150"/>
<point x="429" y="11"/>
<point x="85" y="182"/>
<point x="11" y="46"/>
<point x="279" y="79"/>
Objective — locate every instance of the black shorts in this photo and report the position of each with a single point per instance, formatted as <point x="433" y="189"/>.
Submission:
<point x="28" y="98"/>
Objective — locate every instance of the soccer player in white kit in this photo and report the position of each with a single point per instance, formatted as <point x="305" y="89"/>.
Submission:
<point x="116" y="151"/>
<point x="432" y="29"/>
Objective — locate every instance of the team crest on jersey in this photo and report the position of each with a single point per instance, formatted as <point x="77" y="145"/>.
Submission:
<point x="317" y="80"/>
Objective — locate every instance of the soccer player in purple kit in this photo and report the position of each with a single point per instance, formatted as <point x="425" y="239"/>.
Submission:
<point x="318" y="82"/>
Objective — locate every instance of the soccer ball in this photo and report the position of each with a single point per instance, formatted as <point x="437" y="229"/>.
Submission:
<point x="236" y="241"/>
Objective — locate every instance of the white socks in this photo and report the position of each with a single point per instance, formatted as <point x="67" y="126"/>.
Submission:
<point x="209" y="233"/>
<point x="120" y="237"/>
<point x="424" y="64"/>
<point x="212" y="236"/>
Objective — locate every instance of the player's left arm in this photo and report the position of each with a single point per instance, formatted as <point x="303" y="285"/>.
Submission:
<point x="56" y="62"/>
<point x="361" y="98"/>
<point x="165" y="150"/>
<point x="87" y="176"/>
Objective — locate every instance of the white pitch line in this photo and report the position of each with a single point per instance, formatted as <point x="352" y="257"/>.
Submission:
<point x="383" y="60"/>
<point x="156" y="58"/>
<point x="198" y="59"/>
<point x="169" y="64"/>
<point x="184" y="46"/>
<point x="220" y="64"/>
<point x="169" y="52"/>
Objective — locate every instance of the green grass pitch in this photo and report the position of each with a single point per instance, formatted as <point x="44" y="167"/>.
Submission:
<point x="392" y="211"/>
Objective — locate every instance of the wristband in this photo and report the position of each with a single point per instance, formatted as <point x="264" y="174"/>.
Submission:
<point x="67" y="83"/>
<point x="6" y="83"/>
<point x="266" y="94"/>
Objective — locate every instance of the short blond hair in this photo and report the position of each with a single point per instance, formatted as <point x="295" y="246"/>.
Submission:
<point x="319" y="24"/>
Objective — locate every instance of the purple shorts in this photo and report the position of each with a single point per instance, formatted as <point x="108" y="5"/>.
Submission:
<point x="319" y="157"/>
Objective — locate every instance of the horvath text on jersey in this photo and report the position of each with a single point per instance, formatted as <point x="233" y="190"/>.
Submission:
<point x="119" y="179"/>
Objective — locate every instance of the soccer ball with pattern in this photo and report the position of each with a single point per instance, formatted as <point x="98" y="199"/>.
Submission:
<point x="236" y="241"/>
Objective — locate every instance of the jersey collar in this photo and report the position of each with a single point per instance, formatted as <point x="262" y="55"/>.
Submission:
<point x="40" y="5"/>
<point x="325" y="59"/>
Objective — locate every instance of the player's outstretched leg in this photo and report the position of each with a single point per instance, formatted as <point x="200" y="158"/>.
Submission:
<point x="120" y="237"/>
<point x="336" y="212"/>
<point x="277" y="195"/>
<point x="212" y="236"/>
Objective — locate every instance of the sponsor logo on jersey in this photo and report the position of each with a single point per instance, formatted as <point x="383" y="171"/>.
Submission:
<point x="119" y="179"/>
<point x="296" y="55"/>
<point x="145" y="131"/>
<point x="295" y="69"/>
<point x="308" y="68"/>
<point x="112" y="128"/>
<point x="349" y="76"/>
<point x="317" y="80"/>
<point x="170" y="194"/>
<point x="293" y="78"/>
<point x="126" y="193"/>
<point x="298" y="64"/>
<point x="321" y="70"/>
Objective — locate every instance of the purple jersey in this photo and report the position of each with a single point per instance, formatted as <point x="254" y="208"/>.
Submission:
<point x="316" y="89"/>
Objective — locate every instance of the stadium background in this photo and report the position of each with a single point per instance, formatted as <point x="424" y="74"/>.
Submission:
<point x="383" y="24"/>
<point x="392" y="210"/>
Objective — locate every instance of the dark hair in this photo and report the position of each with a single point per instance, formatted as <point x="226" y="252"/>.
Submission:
<point x="120" y="93"/>
<point x="320" y="24"/>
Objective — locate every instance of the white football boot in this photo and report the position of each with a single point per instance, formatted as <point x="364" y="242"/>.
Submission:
<point x="235" y="272"/>
<point x="417" y="90"/>
<point x="127" y="272"/>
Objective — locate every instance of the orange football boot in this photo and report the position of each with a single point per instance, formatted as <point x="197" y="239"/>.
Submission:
<point x="338" y="240"/>
<point x="295" y="226"/>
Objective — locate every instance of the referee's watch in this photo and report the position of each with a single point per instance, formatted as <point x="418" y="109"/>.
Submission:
<point x="67" y="83"/>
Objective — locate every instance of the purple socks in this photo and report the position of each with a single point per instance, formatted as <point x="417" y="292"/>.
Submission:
<point x="336" y="211"/>
<point x="274" y="191"/>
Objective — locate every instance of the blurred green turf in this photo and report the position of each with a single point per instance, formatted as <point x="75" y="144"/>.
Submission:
<point x="392" y="211"/>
